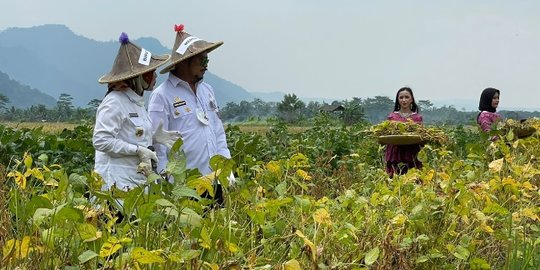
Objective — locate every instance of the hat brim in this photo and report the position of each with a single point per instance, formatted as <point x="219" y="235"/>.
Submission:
<point x="174" y="61"/>
<point x="159" y="60"/>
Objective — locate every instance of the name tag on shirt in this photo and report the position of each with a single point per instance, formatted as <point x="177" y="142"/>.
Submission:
<point x="179" y="103"/>
<point x="133" y="114"/>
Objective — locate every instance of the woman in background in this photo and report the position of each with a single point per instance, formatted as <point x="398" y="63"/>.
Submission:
<point x="489" y="101"/>
<point x="400" y="158"/>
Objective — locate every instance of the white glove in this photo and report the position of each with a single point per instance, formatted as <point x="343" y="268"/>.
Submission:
<point x="144" y="168"/>
<point x="146" y="155"/>
<point x="165" y="137"/>
<point x="231" y="179"/>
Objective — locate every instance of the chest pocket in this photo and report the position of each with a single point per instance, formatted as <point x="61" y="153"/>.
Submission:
<point x="137" y="121"/>
<point x="182" y="111"/>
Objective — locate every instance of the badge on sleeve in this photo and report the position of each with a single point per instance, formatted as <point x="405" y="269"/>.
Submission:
<point x="212" y="102"/>
<point x="176" y="113"/>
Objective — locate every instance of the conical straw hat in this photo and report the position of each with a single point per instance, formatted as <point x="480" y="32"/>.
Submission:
<point x="186" y="46"/>
<point x="132" y="61"/>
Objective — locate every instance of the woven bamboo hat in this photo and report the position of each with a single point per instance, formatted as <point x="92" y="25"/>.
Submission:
<point x="186" y="46"/>
<point x="132" y="61"/>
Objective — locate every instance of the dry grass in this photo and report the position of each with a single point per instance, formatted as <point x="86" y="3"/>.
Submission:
<point x="48" y="127"/>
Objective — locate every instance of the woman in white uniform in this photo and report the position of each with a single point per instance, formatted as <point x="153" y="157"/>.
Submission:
<point x="123" y="130"/>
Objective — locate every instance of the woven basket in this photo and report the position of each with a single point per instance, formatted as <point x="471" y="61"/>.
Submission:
<point x="403" y="139"/>
<point x="524" y="132"/>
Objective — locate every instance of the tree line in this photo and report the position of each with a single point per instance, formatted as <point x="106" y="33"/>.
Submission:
<point x="290" y="110"/>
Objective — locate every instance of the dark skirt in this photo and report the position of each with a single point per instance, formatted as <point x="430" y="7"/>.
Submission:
<point x="400" y="158"/>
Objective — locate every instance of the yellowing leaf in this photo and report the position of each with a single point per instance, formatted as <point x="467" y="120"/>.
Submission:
<point x="36" y="172"/>
<point x="528" y="212"/>
<point x="20" y="179"/>
<point x="516" y="217"/>
<point x="292" y="265"/>
<point x="8" y="248"/>
<point x="232" y="247"/>
<point x="110" y="247"/>
<point x="322" y="216"/>
<point x="212" y="266"/>
<point x="17" y="249"/>
<point x="27" y="161"/>
<point x="24" y="248"/>
<point x="496" y="165"/>
<point x="444" y="176"/>
<point x="322" y="200"/>
<point x="486" y="228"/>
<point x="202" y="184"/>
<point x="205" y="239"/>
<point x="479" y="215"/>
<point x="529" y="186"/>
<point x="509" y="181"/>
<point x="303" y="174"/>
<point x="399" y="219"/>
<point x="428" y="176"/>
<point x="144" y="256"/>
<point x="308" y="243"/>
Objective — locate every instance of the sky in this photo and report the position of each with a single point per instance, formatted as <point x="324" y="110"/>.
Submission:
<point x="446" y="51"/>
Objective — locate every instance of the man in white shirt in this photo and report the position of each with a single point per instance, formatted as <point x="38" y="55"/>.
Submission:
<point x="185" y="103"/>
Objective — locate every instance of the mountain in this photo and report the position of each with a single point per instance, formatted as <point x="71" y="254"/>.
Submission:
<point x="55" y="60"/>
<point x="22" y="96"/>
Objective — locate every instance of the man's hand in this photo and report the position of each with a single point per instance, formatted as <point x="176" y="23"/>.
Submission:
<point x="165" y="137"/>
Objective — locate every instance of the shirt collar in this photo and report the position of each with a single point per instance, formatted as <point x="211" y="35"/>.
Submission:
<point x="133" y="97"/>
<point x="175" y="81"/>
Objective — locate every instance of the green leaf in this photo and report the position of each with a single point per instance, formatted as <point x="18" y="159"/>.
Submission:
<point x="176" y="166"/>
<point x="41" y="214"/>
<point x="69" y="214"/>
<point x="87" y="232"/>
<point x="86" y="256"/>
<point x="145" y="211"/>
<point x="184" y="192"/>
<point x="461" y="253"/>
<point x="219" y="162"/>
<point x="164" y="203"/>
<point x="372" y="256"/>
<point x="422" y="259"/>
<point x="190" y="217"/>
<point x="479" y="264"/>
<point x="35" y="203"/>
<point x="187" y="255"/>
<point x="133" y="198"/>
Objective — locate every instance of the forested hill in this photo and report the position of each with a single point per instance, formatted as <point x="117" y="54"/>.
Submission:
<point x="55" y="60"/>
<point x="22" y="96"/>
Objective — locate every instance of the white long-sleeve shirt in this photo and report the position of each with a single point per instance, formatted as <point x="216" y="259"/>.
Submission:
<point x="122" y="124"/>
<point x="195" y="116"/>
